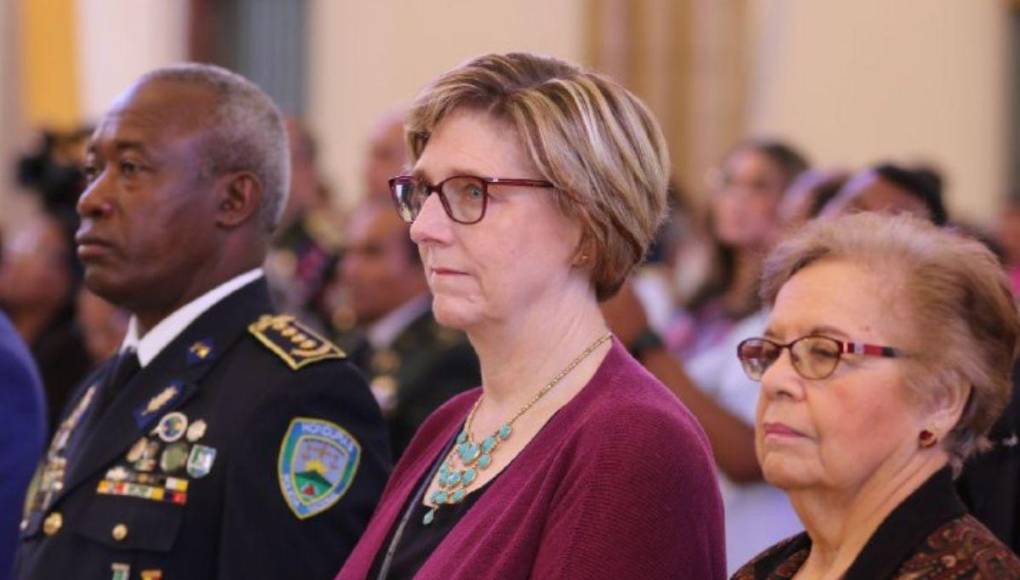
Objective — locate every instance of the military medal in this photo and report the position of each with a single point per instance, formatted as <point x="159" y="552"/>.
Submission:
<point x="174" y="457"/>
<point x="200" y="461"/>
<point x="121" y="571"/>
<point x="137" y="450"/>
<point x="172" y="426"/>
<point x="196" y="430"/>
<point x="51" y="480"/>
<point x="148" y="459"/>
<point x="117" y="474"/>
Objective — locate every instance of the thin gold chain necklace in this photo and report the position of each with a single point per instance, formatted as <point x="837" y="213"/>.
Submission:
<point x="474" y="457"/>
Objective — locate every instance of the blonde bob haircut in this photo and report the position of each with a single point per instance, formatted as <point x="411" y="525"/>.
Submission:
<point x="591" y="138"/>
<point x="961" y="324"/>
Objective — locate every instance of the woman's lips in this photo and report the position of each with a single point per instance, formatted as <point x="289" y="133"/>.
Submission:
<point x="447" y="272"/>
<point x="780" y="430"/>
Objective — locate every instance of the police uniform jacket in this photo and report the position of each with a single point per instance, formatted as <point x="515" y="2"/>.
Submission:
<point x="247" y="448"/>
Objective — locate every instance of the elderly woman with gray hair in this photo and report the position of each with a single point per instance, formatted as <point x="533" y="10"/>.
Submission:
<point x="886" y="359"/>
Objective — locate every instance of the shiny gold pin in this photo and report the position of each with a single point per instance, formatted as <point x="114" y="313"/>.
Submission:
<point x="157" y="402"/>
<point x="196" y="430"/>
<point x="53" y="523"/>
<point x="119" y="532"/>
<point x="200" y="349"/>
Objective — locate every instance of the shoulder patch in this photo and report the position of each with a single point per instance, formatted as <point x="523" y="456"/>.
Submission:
<point x="292" y="341"/>
<point x="317" y="464"/>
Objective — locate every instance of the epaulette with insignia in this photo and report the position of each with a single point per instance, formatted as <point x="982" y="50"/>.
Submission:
<point x="292" y="341"/>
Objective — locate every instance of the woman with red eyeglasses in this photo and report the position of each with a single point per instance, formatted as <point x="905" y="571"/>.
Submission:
<point x="536" y="188"/>
<point x="886" y="359"/>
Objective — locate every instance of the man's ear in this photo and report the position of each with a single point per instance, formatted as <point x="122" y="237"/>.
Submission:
<point x="240" y="199"/>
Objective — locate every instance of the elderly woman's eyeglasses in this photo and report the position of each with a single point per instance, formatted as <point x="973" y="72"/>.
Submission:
<point x="464" y="197"/>
<point x="813" y="357"/>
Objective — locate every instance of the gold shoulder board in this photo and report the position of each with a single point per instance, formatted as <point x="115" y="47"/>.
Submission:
<point x="292" y="341"/>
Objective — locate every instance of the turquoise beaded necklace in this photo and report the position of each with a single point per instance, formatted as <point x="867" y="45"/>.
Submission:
<point x="475" y="457"/>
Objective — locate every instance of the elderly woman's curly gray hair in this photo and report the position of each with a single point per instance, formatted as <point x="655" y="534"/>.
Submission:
<point x="962" y="323"/>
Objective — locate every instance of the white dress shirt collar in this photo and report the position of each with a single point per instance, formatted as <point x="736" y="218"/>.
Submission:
<point x="159" y="336"/>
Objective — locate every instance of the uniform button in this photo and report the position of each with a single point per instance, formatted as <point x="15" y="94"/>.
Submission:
<point x="58" y="485"/>
<point x="119" y="532"/>
<point x="24" y="524"/>
<point x="53" y="523"/>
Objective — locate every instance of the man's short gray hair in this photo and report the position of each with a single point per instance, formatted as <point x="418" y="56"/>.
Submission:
<point x="245" y="131"/>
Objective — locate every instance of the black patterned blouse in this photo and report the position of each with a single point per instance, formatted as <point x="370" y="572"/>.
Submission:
<point x="929" y="536"/>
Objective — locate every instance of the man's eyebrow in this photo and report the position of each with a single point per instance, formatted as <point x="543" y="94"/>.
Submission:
<point x="122" y="146"/>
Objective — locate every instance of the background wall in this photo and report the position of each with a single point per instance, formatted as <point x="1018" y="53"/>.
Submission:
<point x="11" y="118"/>
<point x="367" y="58"/>
<point x="120" y="40"/>
<point x="914" y="80"/>
<point x="850" y="82"/>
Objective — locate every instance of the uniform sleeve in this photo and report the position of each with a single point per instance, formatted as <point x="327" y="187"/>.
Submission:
<point x="641" y="501"/>
<point x="302" y="486"/>
<point x="22" y="434"/>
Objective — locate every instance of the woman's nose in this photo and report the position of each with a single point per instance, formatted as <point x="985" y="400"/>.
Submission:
<point x="432" y="224"/>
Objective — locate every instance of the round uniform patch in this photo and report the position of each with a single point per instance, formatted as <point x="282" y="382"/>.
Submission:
<point x="317" y="464"/>
<point x="172" y="426"/>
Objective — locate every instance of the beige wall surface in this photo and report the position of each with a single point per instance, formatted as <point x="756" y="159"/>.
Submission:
<point x="909" y="80"/>
<point x="366" y="58"/>
<point x="13" y="136"/>
<point x="121" y="39"/>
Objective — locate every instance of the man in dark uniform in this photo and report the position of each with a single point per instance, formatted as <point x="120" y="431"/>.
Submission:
<point x="223" y="441"/>
<point x="414" y="364"/>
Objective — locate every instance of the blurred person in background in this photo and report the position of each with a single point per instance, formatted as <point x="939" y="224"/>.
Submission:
<point x="1007" y="232"/>
<point x="743" y="221"/>
<point x="387" y="154"/>
<point x="22" y="435"/>
<point x="102" y="325"/>
<point x="891" y="188"/>
<point x="413" y="364"/>
<point x="808" y="195"/>
<point x="885" y="361"/>
<point x="38" y="282"/>
<point x="305" y="249"/>
<point x="724" y="399"/>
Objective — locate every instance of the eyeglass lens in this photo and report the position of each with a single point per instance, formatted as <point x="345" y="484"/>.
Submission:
<point x="813" y="357"/>
<point x="463" y="198"/>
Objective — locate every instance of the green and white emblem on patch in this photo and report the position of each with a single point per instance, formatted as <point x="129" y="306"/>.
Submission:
<point x="317" y="464"/>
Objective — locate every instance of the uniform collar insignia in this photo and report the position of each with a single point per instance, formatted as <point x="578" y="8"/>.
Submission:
<point x="146" y="413"/>
<point x="201" y="351"/>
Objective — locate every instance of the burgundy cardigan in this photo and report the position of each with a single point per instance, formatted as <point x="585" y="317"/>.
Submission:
<point x="620" y="483"/>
